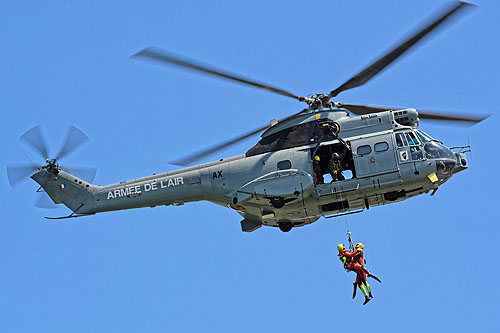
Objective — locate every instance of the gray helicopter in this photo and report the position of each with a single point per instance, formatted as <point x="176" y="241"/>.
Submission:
<point x="379" y="157"/>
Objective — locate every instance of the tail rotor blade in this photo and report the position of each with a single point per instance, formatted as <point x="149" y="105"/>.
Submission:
<point x="36" y="140"/>
<point x="74" y="139"/>
<point x="16" y="173"/>
<point x="87" y="174"/>
<point x="44" y="201"/>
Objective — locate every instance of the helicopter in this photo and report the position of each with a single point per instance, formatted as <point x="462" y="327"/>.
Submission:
<point x="279" y="182"/>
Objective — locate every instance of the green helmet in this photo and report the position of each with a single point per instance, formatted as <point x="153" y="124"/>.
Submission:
<point x="316" y="158"/>
<point x="340" y="247"/>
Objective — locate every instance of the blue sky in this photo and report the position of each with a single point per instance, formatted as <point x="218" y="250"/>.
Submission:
<point x="190" y="268"/>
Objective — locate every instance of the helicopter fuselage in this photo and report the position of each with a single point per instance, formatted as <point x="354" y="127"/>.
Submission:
<point x="274" y="183"/>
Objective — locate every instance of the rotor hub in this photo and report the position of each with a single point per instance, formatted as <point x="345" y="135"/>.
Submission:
<point x="320" y="101"/>
<point x="52" y="166"/>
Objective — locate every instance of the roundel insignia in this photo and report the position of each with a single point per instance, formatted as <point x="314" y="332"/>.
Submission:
<point x="404" y="155"/>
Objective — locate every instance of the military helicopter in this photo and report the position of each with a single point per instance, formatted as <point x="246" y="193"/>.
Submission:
<point x="385" y="157"/>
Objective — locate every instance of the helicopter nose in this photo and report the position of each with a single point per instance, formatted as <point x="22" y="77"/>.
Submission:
<point x="445" y="167"/>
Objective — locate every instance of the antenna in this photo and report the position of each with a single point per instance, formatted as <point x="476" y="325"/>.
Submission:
<point x="470" y="149"/>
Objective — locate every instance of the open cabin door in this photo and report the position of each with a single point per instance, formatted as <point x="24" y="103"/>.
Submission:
<point x="374" y="155"/>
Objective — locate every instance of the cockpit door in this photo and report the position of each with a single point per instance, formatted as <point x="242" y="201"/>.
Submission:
<point x="374" y="155"/>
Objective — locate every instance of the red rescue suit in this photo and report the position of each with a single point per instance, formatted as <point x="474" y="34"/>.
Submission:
<point x="353" y="261"/>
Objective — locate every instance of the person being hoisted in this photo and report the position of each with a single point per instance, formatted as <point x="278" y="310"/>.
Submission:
<point x="354" y="261"/>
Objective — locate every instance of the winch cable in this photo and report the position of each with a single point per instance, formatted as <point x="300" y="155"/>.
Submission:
<point x="351" y="245"/>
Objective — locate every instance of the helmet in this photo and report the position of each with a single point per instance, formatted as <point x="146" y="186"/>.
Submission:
<point x="340" y="247"/>
<point x="316" y="158"/>
<point x="360" y="245"/>
<point x="335" y="157"/>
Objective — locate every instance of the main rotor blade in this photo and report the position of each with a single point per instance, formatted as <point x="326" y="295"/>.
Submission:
<point x="35" y="138"/>
<point x="189" y="159"/>
<point x="169" y="58"/>
<point x="380" y="64"/>
<point x="87" y="174"/>
<point x="74" y="139"/>
<point x="364" y="109"/>
<point x="422" y="113"/>
<point x="16" y="173"/>
<point x="473" y="118"/>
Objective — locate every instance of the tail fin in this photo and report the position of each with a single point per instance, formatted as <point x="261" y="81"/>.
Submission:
<point x="74" y="193"/>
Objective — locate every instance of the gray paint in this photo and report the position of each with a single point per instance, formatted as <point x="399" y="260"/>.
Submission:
<point x="247" y="184"/>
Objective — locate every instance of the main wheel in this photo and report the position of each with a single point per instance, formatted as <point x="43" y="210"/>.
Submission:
<point x="277" y="202"/>
<point x="285" y="226"/>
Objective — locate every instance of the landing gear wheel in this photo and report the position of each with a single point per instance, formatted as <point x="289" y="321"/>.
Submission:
<point x="277" y="202"/>
<point x="285" y="226"/>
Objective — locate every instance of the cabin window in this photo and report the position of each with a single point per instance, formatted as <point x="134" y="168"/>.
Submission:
<point x="295" y="136"/>
<point x="400" y="140"/>
<point x="381" y="146"/>
<point x="283" y="165"/>
<point x="363" y="150"/>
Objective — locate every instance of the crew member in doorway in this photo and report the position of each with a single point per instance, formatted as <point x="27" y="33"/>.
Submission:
<point x="318" y="172"/>
<point x="335" y="166"/>
<point x="354" y="261"/>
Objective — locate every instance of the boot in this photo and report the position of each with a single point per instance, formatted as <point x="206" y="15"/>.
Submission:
<point x="370" y="295"/>
<point x="367" y="299"/>
<point x="354" y="291"/>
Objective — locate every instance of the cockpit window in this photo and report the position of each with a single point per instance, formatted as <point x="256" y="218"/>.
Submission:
<point x="412" y="139"/>
<point x="299" y="135"/>
<point x="424" y="137"/>
<point x="416" y="153"/>
<point x="436" y="150"/>
<point x="400" y="140"/>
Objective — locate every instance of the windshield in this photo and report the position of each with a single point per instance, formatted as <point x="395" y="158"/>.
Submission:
<point x="424" y="137"/>
<point x="437" y="150"/>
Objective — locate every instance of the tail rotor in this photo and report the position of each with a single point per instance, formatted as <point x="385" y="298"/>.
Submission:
<point x="35" y="139"/>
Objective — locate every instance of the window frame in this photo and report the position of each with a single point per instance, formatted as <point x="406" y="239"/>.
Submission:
<point x="413" y="137"/>
<point x="402" y="136"/>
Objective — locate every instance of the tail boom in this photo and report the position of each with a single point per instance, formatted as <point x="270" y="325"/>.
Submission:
<point x="171" y="188"/>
